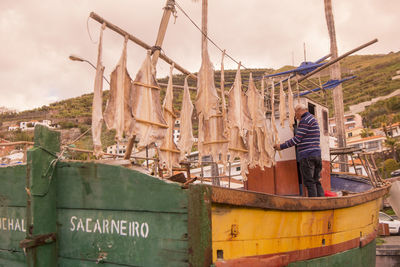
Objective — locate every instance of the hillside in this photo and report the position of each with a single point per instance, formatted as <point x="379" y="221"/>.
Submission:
<point x="374" y="78"/>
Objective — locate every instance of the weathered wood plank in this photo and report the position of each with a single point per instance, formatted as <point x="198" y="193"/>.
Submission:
<point x="12" y="188"/>
<point x="12" y="228"/>
<point x="99" y="186"/>
<point x="41" y="204"/>
<point x="122" y="237"/>
<point x="267" y="201"/>
<point x="199" y="225"/>
<point x="12" y="258"/>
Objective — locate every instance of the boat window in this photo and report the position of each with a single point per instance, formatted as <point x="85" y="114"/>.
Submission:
<point x="325" y="122"/>
<point x="311" y="108"/>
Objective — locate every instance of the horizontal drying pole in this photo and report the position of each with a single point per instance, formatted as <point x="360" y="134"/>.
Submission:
<point x="139" y="42"/>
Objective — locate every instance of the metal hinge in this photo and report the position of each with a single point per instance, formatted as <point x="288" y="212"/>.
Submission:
<point x="38" y="240"/>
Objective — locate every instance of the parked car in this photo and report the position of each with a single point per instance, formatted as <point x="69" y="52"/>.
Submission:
<point x="394" y="225"/>
<point x="395" y="173"/>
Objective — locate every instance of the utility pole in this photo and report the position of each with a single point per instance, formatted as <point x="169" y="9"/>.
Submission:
<point x="335" y="74"/>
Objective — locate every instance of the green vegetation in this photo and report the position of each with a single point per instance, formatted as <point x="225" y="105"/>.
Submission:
<point x="374" y="78"/>
<point x="379" y="241"/>
<point x="389" y="211"/>
<point x="389" y="165"/>
<point x="382" y="113"/>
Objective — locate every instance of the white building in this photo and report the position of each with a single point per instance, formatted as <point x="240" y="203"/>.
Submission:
<point x="117" y="149"/>
<point x="369" y="144"/>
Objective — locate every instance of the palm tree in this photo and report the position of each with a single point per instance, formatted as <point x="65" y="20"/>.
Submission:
<point x="394" y="145"/>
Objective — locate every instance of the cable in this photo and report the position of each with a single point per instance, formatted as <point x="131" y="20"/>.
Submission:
<point x="88" y="31"/>
<point x="183" y="11"/>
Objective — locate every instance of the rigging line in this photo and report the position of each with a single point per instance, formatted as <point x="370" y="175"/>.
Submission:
<point x="226" y="54"/>
<point x="88" y="31"/>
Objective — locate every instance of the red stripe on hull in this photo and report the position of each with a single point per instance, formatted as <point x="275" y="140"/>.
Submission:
<point x="283" y="259"/>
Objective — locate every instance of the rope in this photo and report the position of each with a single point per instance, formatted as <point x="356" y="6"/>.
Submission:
<point x="220" y="49"/>
<point x="88" y="31"/>
<point x="50" y="170"/>
<point x="171" y="5"/>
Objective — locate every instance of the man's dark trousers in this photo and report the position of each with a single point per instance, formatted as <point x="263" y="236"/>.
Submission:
<point x="310" y="169"/>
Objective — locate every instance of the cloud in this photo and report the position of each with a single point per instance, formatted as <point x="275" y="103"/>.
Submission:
<point x="38" y="36"/>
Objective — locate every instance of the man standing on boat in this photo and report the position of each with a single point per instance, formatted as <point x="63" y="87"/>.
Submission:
<point x="307" y="139"/>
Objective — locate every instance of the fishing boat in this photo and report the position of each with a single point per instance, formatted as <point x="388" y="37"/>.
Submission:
<point x="60" y="212"/>
<point x="72" y="213"/>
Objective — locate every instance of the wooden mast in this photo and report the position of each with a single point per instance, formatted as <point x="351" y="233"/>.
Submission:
<point x="204" y="19"/>
<point x="169" y="7"/>
<point x="336" y="75"/>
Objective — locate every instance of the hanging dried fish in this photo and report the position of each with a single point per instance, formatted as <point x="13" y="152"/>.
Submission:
<point x="223" y="101"/>
<point x="150" y="124"/>
<point x="239" y="122"/>
<point x="282" y="105"/>
<point x="269" y="137"/>
<point x="290" y="105"/>
<point x="97" y="112"/>
<point x="211" y="140"/>
<point x="169" y="153"/>
<point x="258" y="155"/>
<point x="186" y="138"/>
<point x="273" y="122"/>
<point x="118" y="114"/>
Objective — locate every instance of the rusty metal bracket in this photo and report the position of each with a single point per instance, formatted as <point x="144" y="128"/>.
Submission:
<point x="38" y="240"/>
<point x="186" y="184"/>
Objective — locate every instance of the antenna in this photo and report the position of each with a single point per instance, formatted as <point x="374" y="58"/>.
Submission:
<point x="304" y="46"/>
<point x="292" y="58"/>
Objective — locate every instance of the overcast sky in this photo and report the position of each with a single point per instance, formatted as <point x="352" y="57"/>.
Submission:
<point x="37" y="36"/>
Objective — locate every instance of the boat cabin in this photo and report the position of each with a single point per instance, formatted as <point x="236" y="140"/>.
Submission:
<point x="284" y="178"/>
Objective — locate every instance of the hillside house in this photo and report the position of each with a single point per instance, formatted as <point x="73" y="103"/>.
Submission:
<point x="177" y="132"/>
<point x="118" y="149"/>
<point x="351" y="121"/>
<point x="13" y="127"/>
<point x="392" y="130"/>
<point x="30" y="125"/>
<point x="369" y="144"/>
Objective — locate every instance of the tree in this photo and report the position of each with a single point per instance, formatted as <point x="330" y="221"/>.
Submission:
<point x="389" y="165"/>
<point x="366" y="132"/>
<point x="393" y="144"/>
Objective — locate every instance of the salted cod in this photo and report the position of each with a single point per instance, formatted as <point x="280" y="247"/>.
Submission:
<point x="150" y="126"/>
<point x="186" y="138"/>
<point x="118" y="113"/>
<point x="97" y="106"/>
<point x="282" y="105"/>
<point x="239" y="123"/>
<point x="290" y="105"/>
<point x="273" y="122"/>
<point x="258" y="135"/>
<point x="211" y="140"/>
<point x="169" y="153"/>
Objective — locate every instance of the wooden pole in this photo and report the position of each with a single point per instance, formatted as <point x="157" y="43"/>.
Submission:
<point x="332" y="61"/>
<point x="139" y="42"/>
<point x="337" y="91"/>
<point x="169" y="7"/>
<point x="204" y="20"/>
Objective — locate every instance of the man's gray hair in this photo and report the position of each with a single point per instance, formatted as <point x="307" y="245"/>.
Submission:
<point x="300" y="107"/>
